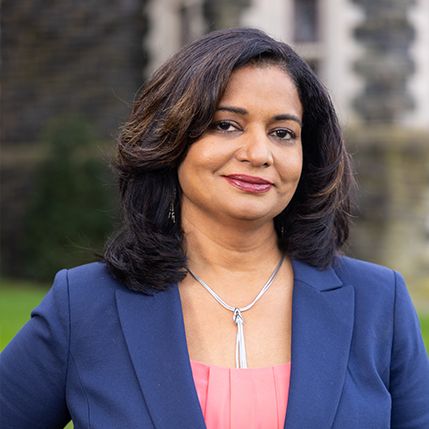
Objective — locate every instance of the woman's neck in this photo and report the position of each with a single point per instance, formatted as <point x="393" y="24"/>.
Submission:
<point x="237" y="246"/>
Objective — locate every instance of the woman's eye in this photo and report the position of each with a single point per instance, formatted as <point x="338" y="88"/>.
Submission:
<point x="224" y="126"/>
<point x="284" y="134"/>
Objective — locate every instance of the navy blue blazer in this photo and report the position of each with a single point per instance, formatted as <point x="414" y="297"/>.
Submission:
<point x="108" y="358"/>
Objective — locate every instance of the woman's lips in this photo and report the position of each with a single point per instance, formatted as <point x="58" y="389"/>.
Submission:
<point x="249" y="183"/>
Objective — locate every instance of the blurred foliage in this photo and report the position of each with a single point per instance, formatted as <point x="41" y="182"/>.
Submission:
<point x="73" y="205"/>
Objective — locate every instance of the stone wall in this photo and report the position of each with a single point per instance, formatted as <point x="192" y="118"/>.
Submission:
<point x="60" y="58"/>
<point x="386" y="65"/>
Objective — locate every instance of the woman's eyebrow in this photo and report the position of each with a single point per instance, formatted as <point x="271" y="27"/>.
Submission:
<point x="288" y="117"/>
<point x="241" y="111"/>
<point x="233" y="109"/>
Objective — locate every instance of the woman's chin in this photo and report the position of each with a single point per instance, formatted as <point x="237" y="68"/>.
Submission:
<point x="248" y="215"/>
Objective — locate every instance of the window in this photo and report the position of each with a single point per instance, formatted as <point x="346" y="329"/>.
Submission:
<point x="306" y="21"/>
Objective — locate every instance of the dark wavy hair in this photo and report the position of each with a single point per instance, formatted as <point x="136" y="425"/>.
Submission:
<point x="174" y="108"/>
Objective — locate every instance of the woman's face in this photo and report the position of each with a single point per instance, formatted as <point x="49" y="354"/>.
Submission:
<point x="247" y="165"/>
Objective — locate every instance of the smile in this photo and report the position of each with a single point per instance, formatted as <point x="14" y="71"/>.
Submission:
<point x="251" y="184"/>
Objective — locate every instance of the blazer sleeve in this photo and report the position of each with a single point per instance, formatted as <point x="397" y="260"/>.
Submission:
<point x="409" y="377"/>
<point x="33" y="367"/>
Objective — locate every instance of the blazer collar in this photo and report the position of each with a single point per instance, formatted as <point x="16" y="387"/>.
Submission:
<point x="321" y="280"/>
<point x="322" y="324"/>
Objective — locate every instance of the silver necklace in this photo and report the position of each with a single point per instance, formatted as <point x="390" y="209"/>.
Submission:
<point x="237" y="317"/>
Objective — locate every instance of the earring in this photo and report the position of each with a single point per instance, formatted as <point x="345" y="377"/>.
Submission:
<point x="172" y="213"/>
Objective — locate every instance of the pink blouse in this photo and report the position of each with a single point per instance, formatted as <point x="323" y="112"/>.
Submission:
<point x="232" y="398"/>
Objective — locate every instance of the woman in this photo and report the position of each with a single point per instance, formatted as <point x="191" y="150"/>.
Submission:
<point x="223" y="300"/>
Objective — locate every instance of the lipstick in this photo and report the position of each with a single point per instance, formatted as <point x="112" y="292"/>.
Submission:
<point x="250" y="184"/>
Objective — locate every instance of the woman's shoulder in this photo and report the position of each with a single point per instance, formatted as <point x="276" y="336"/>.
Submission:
<point x="345" y="271"/>
<point x="360" y="265"/>
<point x="371" y="282"/>
<point x="87" y="284"/>
<point x="357" y="271"/>
<point x="91" y="274"/>
<point x="88" y="277"/>
<point x="89" y="295"/>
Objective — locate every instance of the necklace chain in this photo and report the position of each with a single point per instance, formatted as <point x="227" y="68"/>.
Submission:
<point x="240" y="350"/>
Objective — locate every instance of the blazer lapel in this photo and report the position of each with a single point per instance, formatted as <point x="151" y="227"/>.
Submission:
<point x="322" y="325"/>
<point x="155" y="336"/>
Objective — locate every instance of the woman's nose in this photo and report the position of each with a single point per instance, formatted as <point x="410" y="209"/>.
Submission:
<point x="256" y="149"/>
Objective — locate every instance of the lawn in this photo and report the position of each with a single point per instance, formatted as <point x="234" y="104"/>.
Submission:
<point x="17" y="301"/>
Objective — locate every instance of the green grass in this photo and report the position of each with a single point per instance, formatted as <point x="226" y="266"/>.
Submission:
<point x="424" y="323"/>
<point x="18" y="299"/>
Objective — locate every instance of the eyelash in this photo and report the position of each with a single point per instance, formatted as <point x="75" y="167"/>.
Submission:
<point x="216" y="126"/>
<point x="290" y="133"/>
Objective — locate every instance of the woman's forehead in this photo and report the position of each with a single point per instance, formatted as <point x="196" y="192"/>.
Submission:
<point x="252" y="85"/>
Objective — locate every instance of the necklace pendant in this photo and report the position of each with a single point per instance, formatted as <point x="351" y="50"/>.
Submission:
<point x="240" y="346"/>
